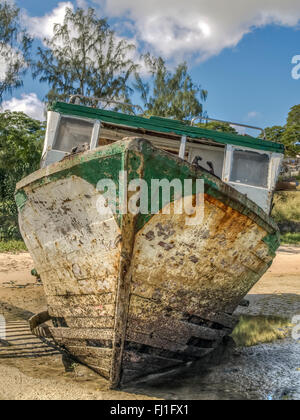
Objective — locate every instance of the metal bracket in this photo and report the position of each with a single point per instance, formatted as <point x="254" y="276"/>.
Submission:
<point x="182" y="147"/>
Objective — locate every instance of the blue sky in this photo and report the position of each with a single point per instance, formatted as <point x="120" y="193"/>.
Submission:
<point x="241" y="55"/>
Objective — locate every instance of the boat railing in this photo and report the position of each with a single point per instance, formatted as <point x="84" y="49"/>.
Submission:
<point x="230" y="123"/>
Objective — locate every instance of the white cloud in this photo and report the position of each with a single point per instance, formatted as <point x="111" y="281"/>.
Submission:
<point x="9" y="56"/>
<point x="82" y="4"/>
<point x="176" y="28"/>
<point x="3" y="68"/>
<point x="29" y="104"/>
<point x="42" y="26"/>
<point x="239" y="129"/>
<point x="253" y="114"/>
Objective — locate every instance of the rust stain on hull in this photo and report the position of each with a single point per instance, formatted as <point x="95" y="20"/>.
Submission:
<point x="184" y="292"/>
<point x="129" y="303"/>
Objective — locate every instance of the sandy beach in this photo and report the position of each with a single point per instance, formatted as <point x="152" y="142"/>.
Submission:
<point x="31" y="368"/>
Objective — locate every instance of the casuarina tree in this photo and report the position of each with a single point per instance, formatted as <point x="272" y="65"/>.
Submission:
<point x="85" y="57"/>
<point x="14" y="49"/>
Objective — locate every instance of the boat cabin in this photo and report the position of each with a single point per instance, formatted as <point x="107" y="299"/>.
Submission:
<point x="248" y="164"/>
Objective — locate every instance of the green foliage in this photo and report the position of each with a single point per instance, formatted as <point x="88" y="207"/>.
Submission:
<point x="286" y="206"/>
<point x="12" y="246"/>
<point x="274" y="133"/>
<point x="21" y="140"/>
<point x="171" y="95"/>
<point x="290" y="137"/>
<point x="290" y="238"/>
<point x="294" y="116"/>
<point x="289" y="134"/>
<point x="85" y="57"/>
<point x="253" y="330"/>
<point x="14" y="48"/>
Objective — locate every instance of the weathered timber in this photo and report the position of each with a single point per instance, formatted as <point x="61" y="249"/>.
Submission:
<point x="103" y="353"/>
<point x="36" y="324"/>
<point x="87" y="322"/>
<point x="174" y="330"/>
<point x="157" y="341"/>
<point x="83" y="333"/>
<point x="81" y="311"/>
<point x="135" y="294"/>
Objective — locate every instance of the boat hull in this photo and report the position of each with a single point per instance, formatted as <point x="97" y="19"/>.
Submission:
<point x="129" y="294"/>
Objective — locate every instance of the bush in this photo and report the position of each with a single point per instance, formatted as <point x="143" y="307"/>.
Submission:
<point x="253" y="330"/>
<point x="290" y="238"/>
<point x="21" y="140"/>
<point x="12" y="246"/>
<point x="286" y="206"/>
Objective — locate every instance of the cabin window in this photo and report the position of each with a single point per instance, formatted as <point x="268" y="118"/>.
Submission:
<point x="72" y="132"/>
<point x="250" y="168"/>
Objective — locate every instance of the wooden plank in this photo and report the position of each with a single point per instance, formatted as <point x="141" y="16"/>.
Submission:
<point x="79" y="342"/>
<point x="166" y="141"/>
<point x="174" y="330"/>
<point x="123" y="289"/>
<point x="161" y="343"/>
<point x="104" y="353"/>
<point x="82" y="300"/>
<point x="74" y="286"/>
<point x="149" y="310"/>
<point x="99" y="363"/>
<point x="89" y="322"/>
<point x="83" y="333"/>
<point x="81" y="311"/>
<point x="226" y="320"/>
<point x="119" y="134"/>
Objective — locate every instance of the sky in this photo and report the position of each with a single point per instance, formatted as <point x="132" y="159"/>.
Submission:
<point x="245" y="53"/>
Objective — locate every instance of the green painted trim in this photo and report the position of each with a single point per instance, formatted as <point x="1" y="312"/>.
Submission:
<point x="105" y="162"/>
<point x="158" y="164"/>
<point x="142" y="160"/>
<point x="165" y="125"/>
<point x="273" y="242"/>
<point x="20" y="199"/>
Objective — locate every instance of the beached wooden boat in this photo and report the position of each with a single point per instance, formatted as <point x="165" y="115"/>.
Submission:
<point x="132" y="294"/>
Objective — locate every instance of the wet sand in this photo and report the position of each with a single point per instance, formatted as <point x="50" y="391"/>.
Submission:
<point x="31" y="368"/>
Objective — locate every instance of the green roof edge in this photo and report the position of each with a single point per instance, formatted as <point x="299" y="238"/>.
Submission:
<point x="166" y="125"/>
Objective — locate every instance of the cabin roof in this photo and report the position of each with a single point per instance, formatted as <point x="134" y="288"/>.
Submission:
<point x="165" y="125"/>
